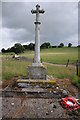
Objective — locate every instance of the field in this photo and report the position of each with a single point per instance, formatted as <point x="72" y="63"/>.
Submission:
<point x="12" y="67"/>
<point x="56" y="55"/>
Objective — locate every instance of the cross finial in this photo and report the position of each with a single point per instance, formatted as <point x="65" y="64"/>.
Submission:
<point x="37" y="6"/>
<point x="37" y="10"/>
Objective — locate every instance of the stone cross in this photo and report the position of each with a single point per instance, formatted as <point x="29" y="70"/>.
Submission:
<point x="37" y="35"/>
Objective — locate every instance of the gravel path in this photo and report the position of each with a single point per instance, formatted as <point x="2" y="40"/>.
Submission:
<point x="60" y="65"/>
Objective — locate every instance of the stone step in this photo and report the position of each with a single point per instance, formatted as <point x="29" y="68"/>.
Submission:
<point x="36" y="81"/>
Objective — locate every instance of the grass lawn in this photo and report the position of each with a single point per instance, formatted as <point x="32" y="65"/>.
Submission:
<point x="56" y="55"/>
<point x="63" y="72"/>
<point x="11" y="68"/>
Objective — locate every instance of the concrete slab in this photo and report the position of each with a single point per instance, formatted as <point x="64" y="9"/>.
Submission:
<point x="31" y="108"/>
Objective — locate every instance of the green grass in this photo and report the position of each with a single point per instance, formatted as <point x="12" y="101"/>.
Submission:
<point x="76" y="82"/>
<point x="11" y="68"/>
<point x="63" y="72"/>
<point x="56" y="55"/>
<point x="9" y="53"/>
<point x="60" y="72"/>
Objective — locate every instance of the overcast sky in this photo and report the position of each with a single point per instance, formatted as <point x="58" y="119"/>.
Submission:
<point x="59" y="23"/>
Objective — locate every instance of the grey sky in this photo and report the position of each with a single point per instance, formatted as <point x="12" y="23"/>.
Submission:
<point x="59" y="23"/>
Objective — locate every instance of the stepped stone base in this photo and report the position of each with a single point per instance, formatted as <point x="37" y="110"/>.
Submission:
<point x="36" y="72"/>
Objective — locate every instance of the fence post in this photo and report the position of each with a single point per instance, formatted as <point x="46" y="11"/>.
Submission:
<point x="77" y="63"/>
<point x="79" y="69"/>
<point x="33" y="60"/>
<point x="67" y="63"/>
<point x="41" y="60"/>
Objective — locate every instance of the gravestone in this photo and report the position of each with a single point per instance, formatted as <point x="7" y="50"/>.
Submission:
<point x="37" y="71"/>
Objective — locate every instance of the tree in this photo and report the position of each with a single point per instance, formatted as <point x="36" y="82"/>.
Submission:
<point x="69" y="45"/>
<point x="78" y="46"/>
<point x="61" y="44"/>
<point x="3" y="50"/>
<point x="18" y="48"/>
<point x="31" y="46"/>
<point x="25" y="46"/>
<point x="13" y="49"/>
<point x="46" y="45"/>
<point x="54" y="46"/>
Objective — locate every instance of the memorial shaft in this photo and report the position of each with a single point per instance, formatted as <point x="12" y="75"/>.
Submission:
<point x="37" y="34"/>
<point x="37" y="40"/>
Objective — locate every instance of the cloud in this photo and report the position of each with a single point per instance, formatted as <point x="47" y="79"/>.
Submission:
<point x="6" y="38"/>
<point x="59" y="23"/>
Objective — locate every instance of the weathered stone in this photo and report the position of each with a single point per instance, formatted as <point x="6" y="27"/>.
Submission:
<point x="12" y="104"/>
<point x="65" y="93"/>
<point x="47" y="113"/>
<point x="37" y="64"/>
<point x="51" y="111"/>
<point x="54" y="106"/>
<point x="54" y="92"/>
<point x="35" y="72"/>
<point x="37" y="35"/>
<point x="57" y="88"/>
<point x="22" y="85"/>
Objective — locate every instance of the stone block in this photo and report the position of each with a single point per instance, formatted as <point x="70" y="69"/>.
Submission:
<point x="36" y="72"/>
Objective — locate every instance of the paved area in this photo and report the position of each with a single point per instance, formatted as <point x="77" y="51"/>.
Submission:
<point x="22" y="107"/>
<point x="38" y="101"/>
<point x="33" y="104"/>
<point x="31" y="108"/>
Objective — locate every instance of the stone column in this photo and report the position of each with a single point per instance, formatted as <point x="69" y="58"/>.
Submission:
<point x="37" y="37"/>
<point x="37" y="40"/>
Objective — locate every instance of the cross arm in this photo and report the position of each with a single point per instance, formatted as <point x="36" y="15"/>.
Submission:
<point x="41" y="11"/>
<point x="33" y="11"/>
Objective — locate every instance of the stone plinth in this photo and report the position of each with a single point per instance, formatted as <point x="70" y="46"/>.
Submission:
<point x="37" y="64"/>
<point x="36" y="72"/>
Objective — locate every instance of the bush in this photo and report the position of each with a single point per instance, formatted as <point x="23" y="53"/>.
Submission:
<point x="69" y="45"/>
